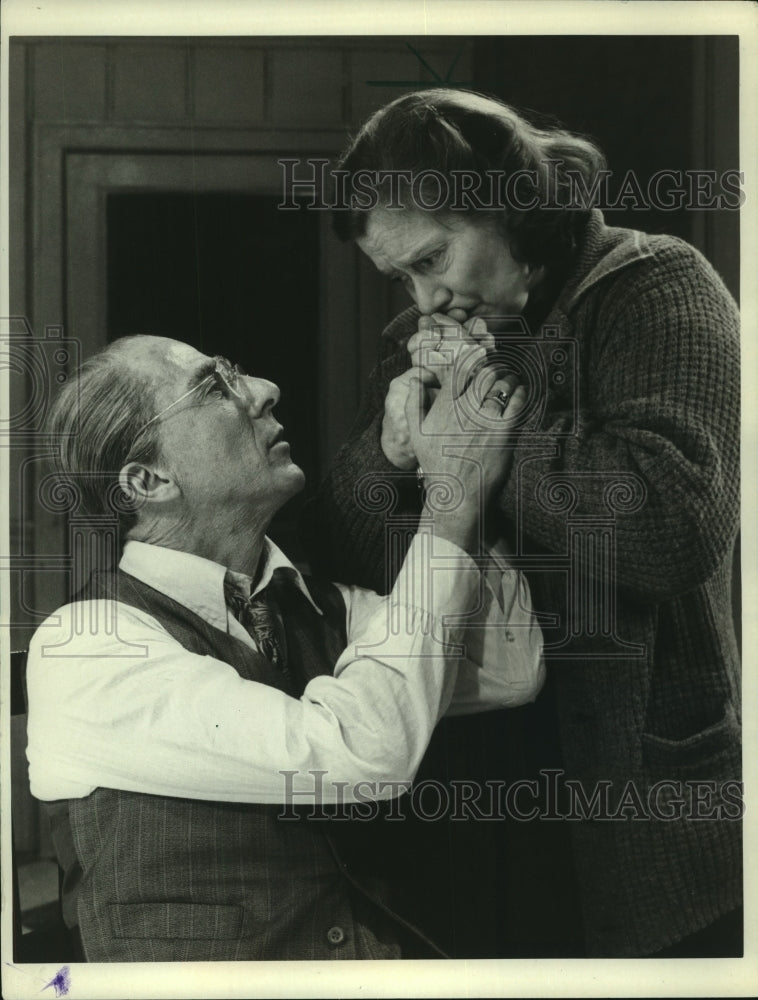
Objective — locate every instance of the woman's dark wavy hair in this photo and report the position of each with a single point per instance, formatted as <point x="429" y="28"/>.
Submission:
<point x="451" y="130"/>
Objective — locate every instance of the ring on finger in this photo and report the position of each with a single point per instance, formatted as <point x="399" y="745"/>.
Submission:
<point x="503" y="398"/>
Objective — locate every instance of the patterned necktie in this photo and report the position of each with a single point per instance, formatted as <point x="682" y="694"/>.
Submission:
<point x="258" y="617"/>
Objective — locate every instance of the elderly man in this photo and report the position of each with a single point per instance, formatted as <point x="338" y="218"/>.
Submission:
<point x="214" y="684"/>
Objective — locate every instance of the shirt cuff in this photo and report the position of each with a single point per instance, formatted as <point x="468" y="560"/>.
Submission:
<point x="437" y="577"/>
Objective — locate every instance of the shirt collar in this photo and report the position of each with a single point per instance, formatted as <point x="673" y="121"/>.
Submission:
<point x="198" y="583"/>
<point x="604" y="251"/>
<point x="273" y="560"/>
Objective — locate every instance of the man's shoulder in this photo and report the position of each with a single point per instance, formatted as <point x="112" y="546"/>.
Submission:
<point x="94" y="611"/>
<point x="91" y="625"/>
<point x="112" y="584"/>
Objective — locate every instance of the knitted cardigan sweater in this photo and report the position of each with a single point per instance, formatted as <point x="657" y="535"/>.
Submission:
<point x="622" y="507"/>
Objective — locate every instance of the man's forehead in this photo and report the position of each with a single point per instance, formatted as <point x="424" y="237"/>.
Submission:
<point x="165" y="358"/>
<point x="184" y="355"/>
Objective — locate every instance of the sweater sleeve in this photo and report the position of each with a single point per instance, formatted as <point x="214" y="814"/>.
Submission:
<point x="660" y="402"/>
<point x="344" y="526"/>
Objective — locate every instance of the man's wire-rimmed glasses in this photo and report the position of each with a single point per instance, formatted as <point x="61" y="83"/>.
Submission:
<point x="225" y="376"/>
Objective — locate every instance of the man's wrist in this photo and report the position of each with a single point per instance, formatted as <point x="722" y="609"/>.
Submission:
<point x="458" y="526"/>
<point x="398" y="456"/>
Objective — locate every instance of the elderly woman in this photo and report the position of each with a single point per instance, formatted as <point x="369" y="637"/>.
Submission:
<point x="622" y="505"/>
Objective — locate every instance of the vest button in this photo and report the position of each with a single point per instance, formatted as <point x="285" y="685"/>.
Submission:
<point x="335" y="935"/>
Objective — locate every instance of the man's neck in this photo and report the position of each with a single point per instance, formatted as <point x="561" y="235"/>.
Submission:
<point x="236" y="547"/>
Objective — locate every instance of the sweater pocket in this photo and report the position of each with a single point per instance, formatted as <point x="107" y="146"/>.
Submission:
<point x="193" y="921"/>
<point x="714" y="752"/>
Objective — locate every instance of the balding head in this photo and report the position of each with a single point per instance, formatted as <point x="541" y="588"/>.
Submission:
<point x="99" y="412"/>
<point x="200" y="449"/>
<point x="153" y="359"/>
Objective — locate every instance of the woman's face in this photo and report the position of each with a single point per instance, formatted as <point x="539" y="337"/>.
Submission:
<point x="453" y="263"/>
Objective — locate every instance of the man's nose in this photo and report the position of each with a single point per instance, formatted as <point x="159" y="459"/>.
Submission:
<point x="431" y="295"/>
<point x="264" y="395"/>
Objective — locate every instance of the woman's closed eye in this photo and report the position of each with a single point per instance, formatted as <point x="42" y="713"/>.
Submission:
<point x="421" y="266"/>
<point x="429" y="262"/>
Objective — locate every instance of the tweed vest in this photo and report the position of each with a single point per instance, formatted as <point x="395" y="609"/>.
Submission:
<point x="153" y="878"/>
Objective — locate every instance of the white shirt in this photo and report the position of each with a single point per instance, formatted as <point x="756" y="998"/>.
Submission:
<point x="117" y="702"/>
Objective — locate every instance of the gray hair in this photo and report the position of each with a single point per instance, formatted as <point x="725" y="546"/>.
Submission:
<point x="96" y="419"/>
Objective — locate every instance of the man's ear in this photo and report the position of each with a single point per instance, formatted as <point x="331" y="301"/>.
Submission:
<point x="144" y="484"/>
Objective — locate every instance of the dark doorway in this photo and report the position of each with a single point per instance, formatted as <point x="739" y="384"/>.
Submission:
<point x="229" y="274"/>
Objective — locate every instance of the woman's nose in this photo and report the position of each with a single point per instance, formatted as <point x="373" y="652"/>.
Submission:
<point x="431" y="296"/>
